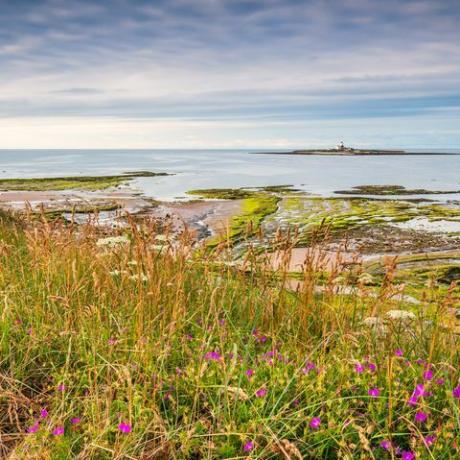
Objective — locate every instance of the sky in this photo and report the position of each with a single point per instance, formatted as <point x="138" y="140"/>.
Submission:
<point x="229" y="73"/>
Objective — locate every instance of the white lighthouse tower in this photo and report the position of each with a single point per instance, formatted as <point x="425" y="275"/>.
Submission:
<point x="340" y="146"/>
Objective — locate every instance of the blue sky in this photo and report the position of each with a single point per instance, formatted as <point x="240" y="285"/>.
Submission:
<point x="235" y="73"/>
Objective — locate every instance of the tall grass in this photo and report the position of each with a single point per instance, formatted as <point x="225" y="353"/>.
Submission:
<point x="139" y="349"/>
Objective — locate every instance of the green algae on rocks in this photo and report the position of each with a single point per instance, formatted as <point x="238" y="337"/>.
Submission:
<point x="89" y="183"/>
<point x="389" y="190"/>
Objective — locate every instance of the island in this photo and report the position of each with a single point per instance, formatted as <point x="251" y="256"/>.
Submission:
<point x="340" y="149"/>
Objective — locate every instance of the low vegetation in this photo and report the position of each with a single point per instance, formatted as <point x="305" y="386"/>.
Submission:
<point x="124" y="346"/>
<point x="388" y="190"/>
<point x="90" y="183"/>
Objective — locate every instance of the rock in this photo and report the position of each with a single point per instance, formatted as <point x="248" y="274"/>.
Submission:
<point x="400" y="315"/>
<point x="376" y="324"/>
<point x="112" y="241"/>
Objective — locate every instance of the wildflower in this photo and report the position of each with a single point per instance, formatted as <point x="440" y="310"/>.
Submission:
<point x="428" y="375"/>
<point x="421" y="417"/>
<point x="75" y="420"/>
<point x="61" y="387"/>
<point x="33" y="428"/>
<point x="359" y="368"/>
<point x="124" y="427"/>
<point x="248" y="446"/>
<point x="456" y="392"/>
<point x="374" y="392"/>
<point x="440" y="382"/>
<point x="372" y="367"/>
<point x="43" y="413"/>
<point x="399" y="352"/>
<point x="315" y="422"/>
<point x="112" y="241"/>
<point x="407" y="455"/>
<point x="430" y="440"/>
<point x="385" y="444"/>
<point x="249" y="373"/>
<point x="58" y="431"/>
<point x="419" y="390"/>
<point x="212" y="356"/>
<point x="112" y="341"/>
<point x="261" y="392"/>
<point x="400" y="315"/>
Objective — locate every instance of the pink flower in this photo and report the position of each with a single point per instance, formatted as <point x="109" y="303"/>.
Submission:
<point x="372" y="367"/>
<point x="421" y="417"/>
<point x="440" y="382"/>
<point x="61" y="387"/>
<point x="418" y="392"/>
<point x="43" y="413"/>
<point x="456" y="392"/>
<point x="374" y="392"/>
<point x="407" y="455"/>
<point x="261" y="392"/>
<point x="33" y="428"/>
<point x="428" y="375"/>
<point x="249" y="373"/>
<point x="399" y="352"/>
<point x="124" y="427"/>
<point x="315" y="422"/>
<point x="359" y="368"/>
<point x="112" y="341"/>
<point x="386" y="445"/>
<point x="248" y="446"/>
<point x="212" y="356"/>
<point x="58" y="431"/>
<point x="430" y="440"/>
<point x="75" y="420"/>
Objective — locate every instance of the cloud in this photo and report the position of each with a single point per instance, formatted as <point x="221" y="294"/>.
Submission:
<point x="229" y="60"/>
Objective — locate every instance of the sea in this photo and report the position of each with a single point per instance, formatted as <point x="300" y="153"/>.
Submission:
<point x="201" y="169"/>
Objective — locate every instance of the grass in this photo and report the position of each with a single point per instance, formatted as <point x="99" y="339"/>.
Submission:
<point x="89" y="183"/>
<point x="134" y="350"/>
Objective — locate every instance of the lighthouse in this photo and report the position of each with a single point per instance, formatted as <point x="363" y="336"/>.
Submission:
<point x="340" y="146"/>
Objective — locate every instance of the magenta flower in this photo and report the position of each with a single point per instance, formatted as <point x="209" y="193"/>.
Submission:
<point x="75" y="420"/>
<point x="456" y="392"/>
<point x="249" y="373"/>
<point x="399" y="352"/>
<point x="112" y="341"/>
<point x="61" y="387"/>
<point x="372" y="367"/>
<point x="385" y="444"/>
<point x="315" y="422"/>
<point x="261" y="392"/>
<point x="212" y="356"/>
<point x="58" y="431"/>
<point x="359" y="368"/>
<point x="374" y="392"/>
<point x="440" y="382"/>
<point x="428" y="375"/>
<point x="124" y="427"/>
<point x="248" y="446"/>
<point x="418" y="392"/>
<point x="430" y="440"/>
<point x="43" y="413"/>
<point x="407" y="455"/>
<point x="33" y="428"/>
<point x="421" y="417"/>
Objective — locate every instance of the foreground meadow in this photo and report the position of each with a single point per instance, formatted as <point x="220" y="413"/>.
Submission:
<point x="128" y="346"/>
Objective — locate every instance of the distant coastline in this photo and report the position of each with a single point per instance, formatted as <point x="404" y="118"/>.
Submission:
<point x="353" y="152"/>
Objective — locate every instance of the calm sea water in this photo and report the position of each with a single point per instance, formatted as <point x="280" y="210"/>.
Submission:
<point x="196" y="169"/>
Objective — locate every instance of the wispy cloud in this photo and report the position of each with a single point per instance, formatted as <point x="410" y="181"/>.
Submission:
<point x="185" y="61"/>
